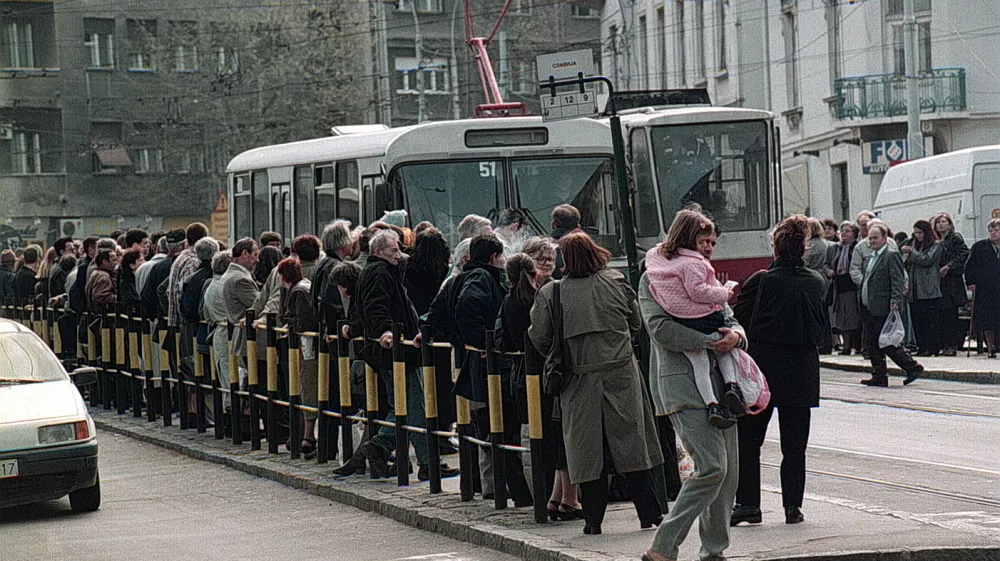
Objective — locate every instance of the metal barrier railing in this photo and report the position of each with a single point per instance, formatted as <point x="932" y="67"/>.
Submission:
<point x="122" y="345"/>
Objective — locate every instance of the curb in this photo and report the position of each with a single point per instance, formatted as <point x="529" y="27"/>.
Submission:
<point x="520" y="544"/>
<point x="454" y="525"/>
<point x="971" y="377"/>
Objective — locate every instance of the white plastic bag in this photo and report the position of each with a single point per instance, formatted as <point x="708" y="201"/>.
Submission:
<point x="893" y="332"/>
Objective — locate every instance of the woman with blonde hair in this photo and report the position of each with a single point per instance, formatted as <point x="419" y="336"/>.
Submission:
<point x="44" y="272"/>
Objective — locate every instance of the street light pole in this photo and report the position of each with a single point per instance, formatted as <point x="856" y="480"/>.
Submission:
<point x="418" y="43"/>
<point x="914" y="138"/>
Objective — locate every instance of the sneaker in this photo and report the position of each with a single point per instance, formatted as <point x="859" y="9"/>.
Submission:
<point x="745" y="514"/>
<point x="876" y="382"/>
<point x="378" y="460"/>
<point x="913" y="374"/>
<point x="720" y="417"/>
<point x="733" y="400"/>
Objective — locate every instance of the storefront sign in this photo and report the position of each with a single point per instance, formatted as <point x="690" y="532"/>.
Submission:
<point x="878" y="156"/>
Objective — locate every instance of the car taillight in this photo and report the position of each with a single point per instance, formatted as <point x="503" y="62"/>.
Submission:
<point x="82" y="430"/>
<point x="67" y="432"/>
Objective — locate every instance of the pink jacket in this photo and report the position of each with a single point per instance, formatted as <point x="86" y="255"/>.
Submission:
<point x="685" y="286"/>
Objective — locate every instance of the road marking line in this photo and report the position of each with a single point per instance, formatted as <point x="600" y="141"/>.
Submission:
<point x="896" y="458"/>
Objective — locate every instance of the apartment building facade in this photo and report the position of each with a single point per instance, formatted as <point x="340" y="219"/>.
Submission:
<point x="451" y="83"/>
<point x="124" y="114"/>
<point x="834" y="72"/>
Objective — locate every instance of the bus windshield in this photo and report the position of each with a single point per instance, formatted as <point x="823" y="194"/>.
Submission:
<point x="721" y="166"/>
<point x="445" y="192"/>
<point x="540" y="185"/>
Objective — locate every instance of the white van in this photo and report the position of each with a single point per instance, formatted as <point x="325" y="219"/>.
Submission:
<point x="966" y="184"/>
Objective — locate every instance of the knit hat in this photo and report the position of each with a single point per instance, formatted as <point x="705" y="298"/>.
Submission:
<point x="175" y="239"/>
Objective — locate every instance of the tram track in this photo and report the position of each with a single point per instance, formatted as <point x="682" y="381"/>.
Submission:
<point x="919" y="489"/>
<point x="916" y="407"/>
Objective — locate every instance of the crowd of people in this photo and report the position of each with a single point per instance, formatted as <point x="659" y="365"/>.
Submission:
<point x="830" y="288"/>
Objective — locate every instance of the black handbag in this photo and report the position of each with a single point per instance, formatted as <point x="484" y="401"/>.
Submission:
<point x="555" y="370"/>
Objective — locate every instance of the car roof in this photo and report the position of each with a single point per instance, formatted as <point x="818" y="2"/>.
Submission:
<point x="10" y="326"/>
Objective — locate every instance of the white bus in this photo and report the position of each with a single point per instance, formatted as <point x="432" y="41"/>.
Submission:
<point x="727" y="160"/>
<point x="299" y="187"/>
<point x="443" y="171"/>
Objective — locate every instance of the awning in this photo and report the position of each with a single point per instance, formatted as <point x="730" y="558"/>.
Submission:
<point x="114" y="158"/>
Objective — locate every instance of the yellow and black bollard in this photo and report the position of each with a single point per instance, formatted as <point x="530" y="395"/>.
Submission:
<point x="253" y="378"/>
<point x="201" y="422"/>
<point x="46" y="319"/>
<point x="467" y="451"/>
<point x="323" y="399"/>
<point x="236" y="414"/>
<point x="371" y="405"/>
<point x="399" y="396"/>
<point x="147" y="370"/>
<point x="181" y="378"/>
<point x="344" y="377"/>
<point x="57" y="342"/>
<point x="495" y="407"/>
<point x="430" y="407"/>
<point x="533" y="364"/>
<point x="165" y="368"/>
<point x="272" y="386"/>
<point x="91" y="337"/>
<point x="134" y="322"/>
<point x="294" y="396"/>
<point x="106" y="361"/>
<point x="121" y="384"/>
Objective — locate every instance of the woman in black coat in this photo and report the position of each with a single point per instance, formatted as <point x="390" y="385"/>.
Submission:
<point x="953" y="257"/>
<point x="128" y="292"/>
<point x="426" y="268"/>
<point x="982" y="273"/>
<point x="782" y="309"/>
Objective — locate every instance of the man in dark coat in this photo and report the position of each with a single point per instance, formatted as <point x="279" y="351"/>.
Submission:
<point x="478" y="295"/>
<point x="882" y="293"/>
<point x="77" y="299"/>
<point x="7" y="276"/>
<point x="337" y="244"/>
<point x="381" y="302"/>
<point x="565" y="219"/>
<point x="24" y="279"/>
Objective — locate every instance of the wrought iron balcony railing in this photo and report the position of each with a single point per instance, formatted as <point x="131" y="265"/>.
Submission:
<point x="884" y="95"/>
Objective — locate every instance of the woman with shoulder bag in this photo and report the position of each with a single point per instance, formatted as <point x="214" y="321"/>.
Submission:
<point x="783" y="311"/>
<point x="605" y="408"/>
<point x="511" y="327"/>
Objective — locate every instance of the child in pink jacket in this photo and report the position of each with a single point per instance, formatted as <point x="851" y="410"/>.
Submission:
<point x="684" y="285"/>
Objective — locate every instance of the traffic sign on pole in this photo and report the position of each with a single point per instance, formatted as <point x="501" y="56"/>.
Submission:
<point x="568" y="100"/>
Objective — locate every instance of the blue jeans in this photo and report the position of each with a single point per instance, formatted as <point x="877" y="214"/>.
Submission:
<point x="386" y="437"/>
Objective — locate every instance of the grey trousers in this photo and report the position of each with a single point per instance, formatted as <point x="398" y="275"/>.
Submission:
<point x="709" y="494"/>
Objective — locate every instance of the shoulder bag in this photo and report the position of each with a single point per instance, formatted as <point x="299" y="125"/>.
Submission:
<point x="555" y="370"/>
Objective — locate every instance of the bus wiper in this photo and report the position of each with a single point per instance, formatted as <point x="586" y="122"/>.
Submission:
<point x="527" y="211"/>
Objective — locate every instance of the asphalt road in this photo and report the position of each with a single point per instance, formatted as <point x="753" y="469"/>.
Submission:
<point x="158" y="505"/>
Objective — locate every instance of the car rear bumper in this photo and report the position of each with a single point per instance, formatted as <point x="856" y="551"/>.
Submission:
<point x="49" y="473"/>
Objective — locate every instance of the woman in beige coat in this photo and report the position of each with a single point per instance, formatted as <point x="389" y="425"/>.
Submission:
<point x="605" y="409"/>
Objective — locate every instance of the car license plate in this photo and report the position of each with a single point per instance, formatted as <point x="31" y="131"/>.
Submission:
<point x="8" y="468"/>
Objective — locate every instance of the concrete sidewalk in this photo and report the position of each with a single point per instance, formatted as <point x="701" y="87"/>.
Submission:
<point x="834" y="528"/>
<point x="977" y="369"/>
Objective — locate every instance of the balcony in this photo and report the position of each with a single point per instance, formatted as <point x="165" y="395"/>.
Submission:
<point x="942" y="90"/>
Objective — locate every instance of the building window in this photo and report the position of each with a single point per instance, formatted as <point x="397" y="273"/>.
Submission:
<point x="142" y="45"/>
<point x="790" y="35"/>
<point x="436" y="75"/>
<point x="720" y="15"/>
<point x="520" y="7"/>
<point x="18" y="44"/>
<point x="149" y="160"/>
<point x="661" y="46"/>
<point x="523" y="78"/>
<point x="109" y="157"/>
<point x="643" y="54"/>
<point x="895" y="7"/>
<point x="427" y="6"/>
<point x="581" y="11"/>
<point x="834" y="40"/>
<point x="184" y="43"/>
<point x="923" y="47"/>
<point x="228" y="61"/>
<point x="31" y="142"/>
<point x="679" y="46"/>
<point x="99" y="40"/>
<point x="699" y="39"/>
